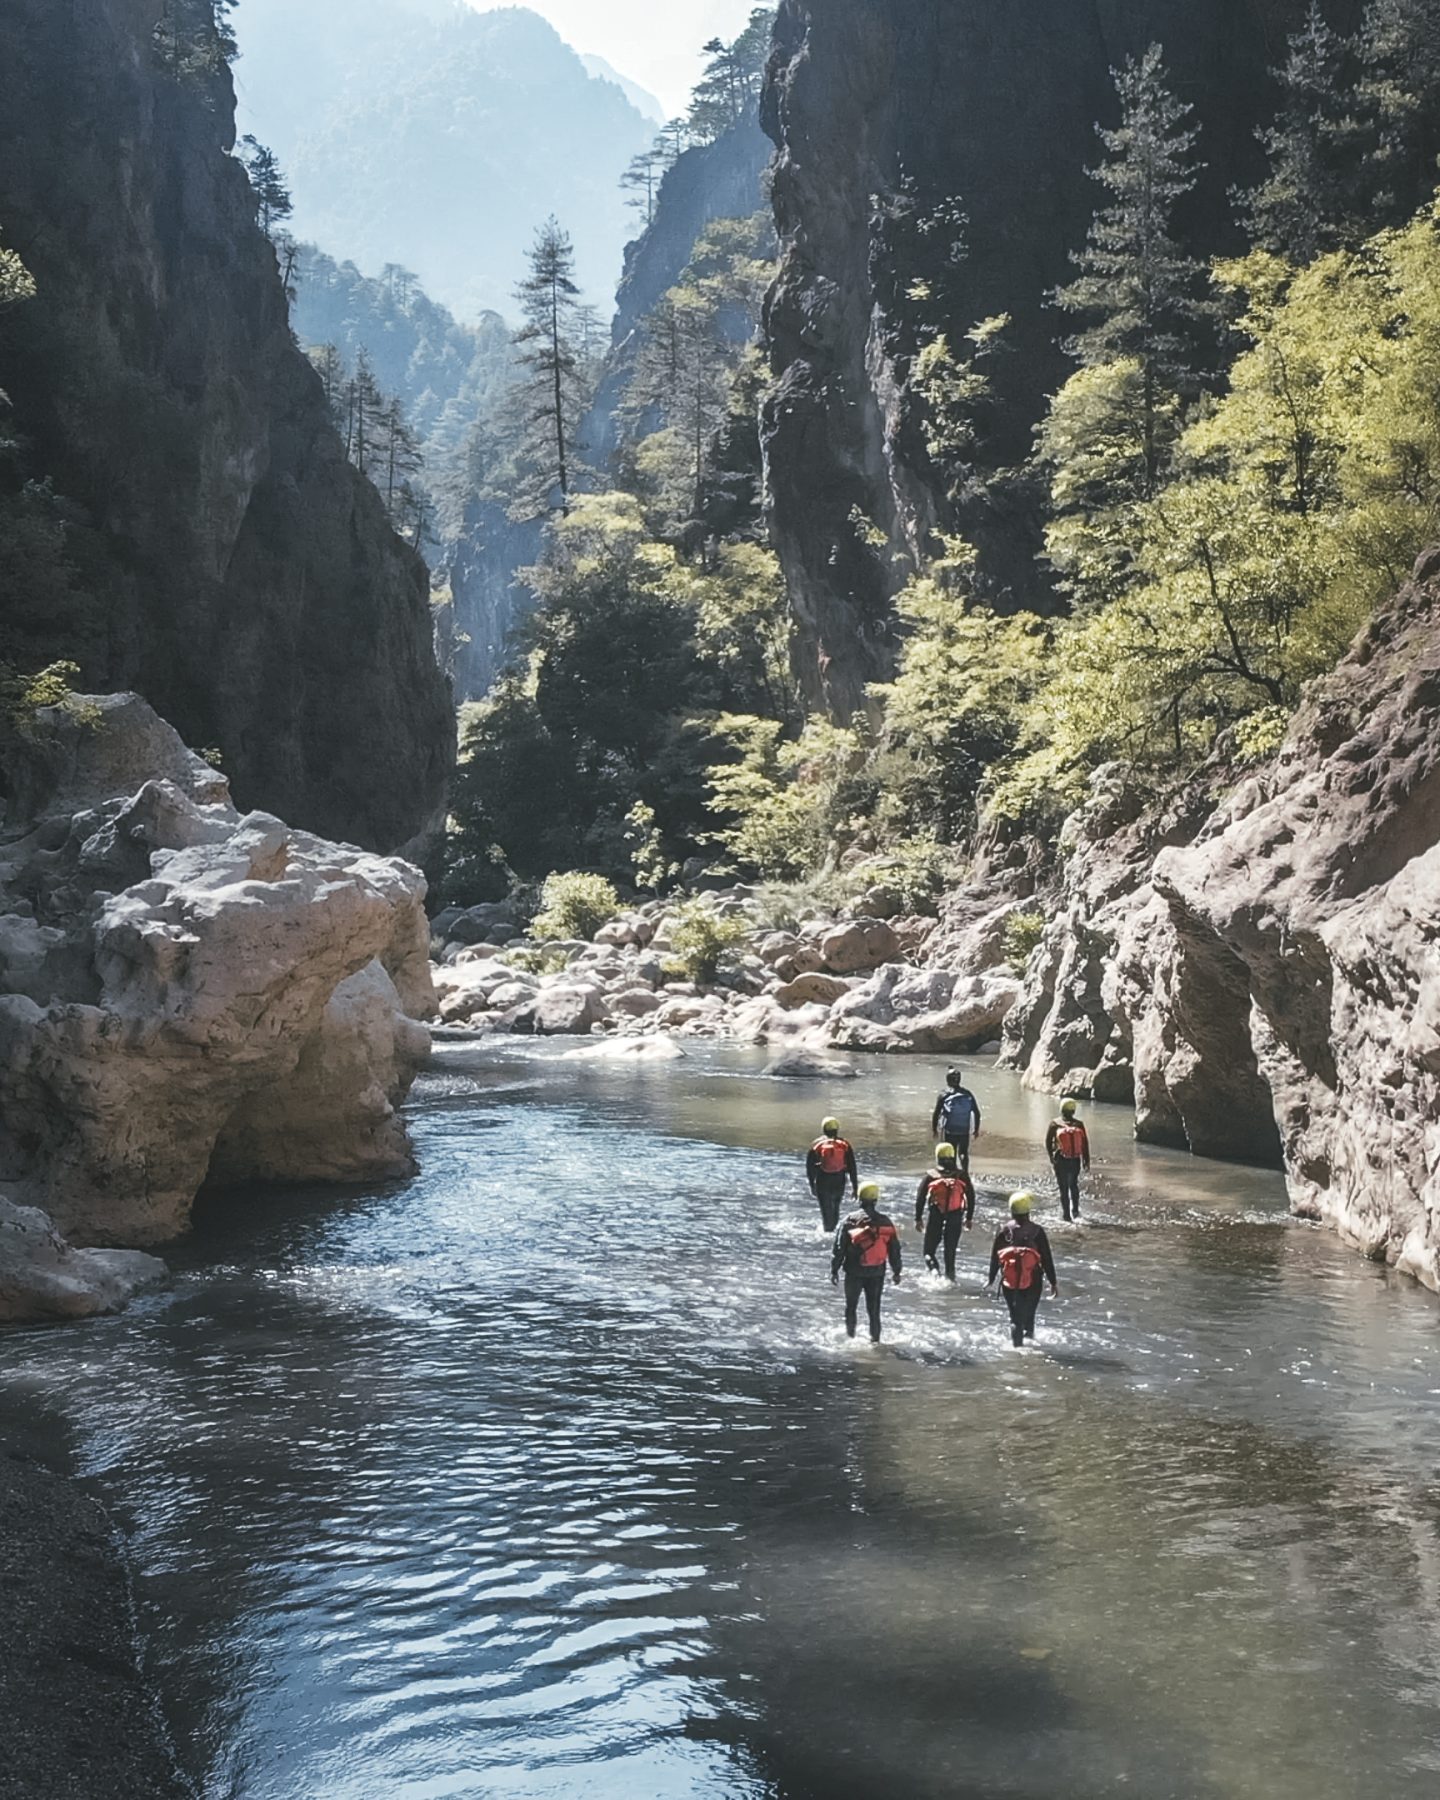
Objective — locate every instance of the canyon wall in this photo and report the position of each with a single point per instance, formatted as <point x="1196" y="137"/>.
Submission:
<point x="1259" y="968"/>
<point x="993" y="105"/>
<point x="218" y="554"/>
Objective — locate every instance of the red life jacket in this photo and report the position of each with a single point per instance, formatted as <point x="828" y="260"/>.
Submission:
<point x="871" y="1244"/>
<point x="949" y="1193"/>
<point x="834" y="1154"/>
<point x="1070" y="1142"/>
<point x="1019" y="1265"/>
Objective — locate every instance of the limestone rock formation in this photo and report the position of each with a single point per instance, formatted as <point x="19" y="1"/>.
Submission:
<point x="42" y="1277"/>
<point x="1315" y="891"/>
<point x="990" y="107"/>
<point x="930" y="1010"/>
<point x="222" y="556"/>
<point x="202" y="994"/>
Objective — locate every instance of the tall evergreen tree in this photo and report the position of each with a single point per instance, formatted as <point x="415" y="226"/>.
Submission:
<point x="1399" y="49"/>
<point x="729" y="89"/>
<point x="641" y="182"/>
<point x="272" y="196"/>
<point x="552" y="392"/>
<point x="1141" y="292"/>
<point x="1309" y="202"/>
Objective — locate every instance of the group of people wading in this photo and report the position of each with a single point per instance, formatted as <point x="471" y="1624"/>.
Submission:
<point x="866" y="1245"/>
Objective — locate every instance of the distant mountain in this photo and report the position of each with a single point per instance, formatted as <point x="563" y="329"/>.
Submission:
<point x="640" y="98"/>
<point x="423" y="133"/>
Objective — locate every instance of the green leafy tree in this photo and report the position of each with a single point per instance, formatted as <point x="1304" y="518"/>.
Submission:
<point x="195" y="38"/>
<point x="16" y="281"/>
<point x="1141" y="296"/>
<point x="1310" y="201"/>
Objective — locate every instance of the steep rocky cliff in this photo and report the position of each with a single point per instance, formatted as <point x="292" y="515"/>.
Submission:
<point x="1269" y="978"/>
<point x="994" y="105"/>
<point x="223" y="558"/>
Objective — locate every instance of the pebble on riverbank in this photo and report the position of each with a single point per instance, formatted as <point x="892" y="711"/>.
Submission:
<point x="77" y="1717"/>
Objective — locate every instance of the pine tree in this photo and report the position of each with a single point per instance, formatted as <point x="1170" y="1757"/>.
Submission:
<point x="195" y="37"/>
<point x="1399" y="49"/>
<point x="271" y="194"/>
<point x="641" y="182"/>
<point x="1309" y="202"/>
<point x="1142" y="293"/>
<point x="552" y="391"/>
<point x="329" y="365"/>
<point x="364" y="410"/>
<point x="16" y="281"/>
<point x="729" y="89"/>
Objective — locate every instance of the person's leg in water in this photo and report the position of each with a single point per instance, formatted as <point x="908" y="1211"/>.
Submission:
<point x="1028" y="1307"/>
<point x="853" y="1287"/>
<point x="1067" y="1176"/>
<point x="830" y="1191"/>
<point x="874" y="1295"/>
<point x="960" y="1143"/>
<point x="934" y="1230"/>
<point x="1013" y="1297"/>
<point x="954" y="1225"/>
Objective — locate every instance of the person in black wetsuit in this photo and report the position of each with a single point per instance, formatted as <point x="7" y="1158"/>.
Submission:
<point x="949" y="1194"/>
<point x="830" y="1164"/>
<point x="1022" y="1262"/>
<point x="956" y="1117"/>
<point x="866" y="1245"/>
<point x="1067" y="1144"/>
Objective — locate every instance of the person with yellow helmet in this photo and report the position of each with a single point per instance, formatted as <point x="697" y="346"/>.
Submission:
<point x="830" y="1164"/>
<point x="1021" y="1261"/>
<point x="866" y="1245"/>
<point x="949" y="1194"/>
<point x="1067" y="1144"/>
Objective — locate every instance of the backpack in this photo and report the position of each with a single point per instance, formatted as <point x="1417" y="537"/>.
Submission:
<point x="1019" y="1265"/>
<point x="957" y="1112"/>
<point x="834" y="1155"/>
<point x="1070" y="1142"/>
<point x="948" y="1193"/>
<point x="868" y="1246"/>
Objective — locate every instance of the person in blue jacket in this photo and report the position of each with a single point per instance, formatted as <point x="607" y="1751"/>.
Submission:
<point x="956" y="1119"/>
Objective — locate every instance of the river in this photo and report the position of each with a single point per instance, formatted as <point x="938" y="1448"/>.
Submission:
<point x="551" y="1472"/>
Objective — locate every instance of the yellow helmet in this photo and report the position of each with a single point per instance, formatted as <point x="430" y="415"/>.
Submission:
<point x="1021" y="1204"/>
<point x="944" y="1153"/>
<point x="870" y="1191"/>
<point x="1069" y="1106"/>
<point x="830" y="1127"/>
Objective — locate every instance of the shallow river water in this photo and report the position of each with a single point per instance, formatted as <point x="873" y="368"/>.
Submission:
<point x="551" y="1473"/>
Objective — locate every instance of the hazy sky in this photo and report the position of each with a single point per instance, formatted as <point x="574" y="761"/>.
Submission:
<point x="654" y="42"/>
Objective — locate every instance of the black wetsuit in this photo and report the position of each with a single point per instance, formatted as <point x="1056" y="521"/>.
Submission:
<point x="828" y="1187"/>
<point x="1023" y="1302"/>
<point x="1067" y="1168"/>
<point x="861" y="1279"/>
<point x="954" y="1134"/>
<point x="943" y="1227"/>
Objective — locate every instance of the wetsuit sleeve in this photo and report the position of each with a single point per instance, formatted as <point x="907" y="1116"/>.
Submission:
<point x="895" y="1254"/>
<point x="812" y="1167"/>
<point x="852" y="1169"/>
<point x="935" y="1117"/>
<point x="922" y="1194"/>
<point x="995" y="1257"/>
<point x="1052" y="1137"/>
<point x="1047" y="1261"/>
<point x="1085" y="1145"/>
<point x="974" y="1115"/>
<point x="969" y="1201"/>
<point x="837" y="1254"/>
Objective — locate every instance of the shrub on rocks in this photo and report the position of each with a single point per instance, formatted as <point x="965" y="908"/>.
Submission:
<point x="575" y="906"/>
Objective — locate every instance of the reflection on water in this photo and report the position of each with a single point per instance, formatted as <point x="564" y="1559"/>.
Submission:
<point x="551" y="1473"/>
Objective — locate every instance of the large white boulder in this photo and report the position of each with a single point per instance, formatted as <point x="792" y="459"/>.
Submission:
<point x="194" y="987"/>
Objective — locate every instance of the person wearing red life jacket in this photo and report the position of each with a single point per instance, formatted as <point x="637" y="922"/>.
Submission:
<point x="1067" y="1144"/>
<point x="1021" y="1261"/>
<point x="830" y="1164"/>
<point x="866" y="1246"/>
<point x="949" y="1195"/>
